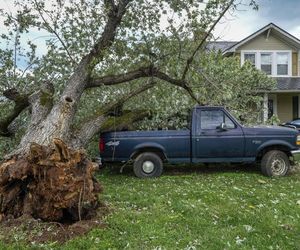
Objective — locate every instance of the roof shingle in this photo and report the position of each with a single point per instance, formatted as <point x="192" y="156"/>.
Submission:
<point x="219" y="45"/>
<point x="288" y="83"/>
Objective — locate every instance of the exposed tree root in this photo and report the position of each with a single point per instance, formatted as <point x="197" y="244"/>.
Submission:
<point x="50" y="184"/>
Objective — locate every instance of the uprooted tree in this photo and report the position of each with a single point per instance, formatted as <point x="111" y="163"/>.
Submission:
<point x="99" y="55"/>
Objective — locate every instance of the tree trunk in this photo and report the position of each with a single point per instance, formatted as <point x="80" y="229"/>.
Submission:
<point x="59" y="119"/>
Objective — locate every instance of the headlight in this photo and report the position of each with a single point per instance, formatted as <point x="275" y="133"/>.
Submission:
<point x="298" y="140"/>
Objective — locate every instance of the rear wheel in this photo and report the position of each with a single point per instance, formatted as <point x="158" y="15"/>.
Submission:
<point x="275" y="163"/>
<point x="148" y="165"/>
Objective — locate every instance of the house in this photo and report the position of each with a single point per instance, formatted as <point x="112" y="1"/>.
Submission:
<point x="277" y="53"/>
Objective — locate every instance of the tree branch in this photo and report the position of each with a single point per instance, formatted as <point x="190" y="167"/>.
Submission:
<point x="109" y="107"/>
<point x="52" y="30"/>
<point x="121" y="78"/>
<point x="93" y="125"/>
<point x="21" y="103"/>
<point x="190" y="60"/>
<point x="115" y="16"/>
<point x="77" y="82"/>
<point x="149" y="71"/>
<point x="69" y="99"/>
<point x="124" y="122"/>
<point x="192" y="94"/>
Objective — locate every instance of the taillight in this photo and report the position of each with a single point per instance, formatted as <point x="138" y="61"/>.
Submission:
<point x="101" y="145"/>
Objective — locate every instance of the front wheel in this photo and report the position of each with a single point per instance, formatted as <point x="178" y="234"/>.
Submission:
<point x="148" y="165"/>
<point x="275" y="163"/>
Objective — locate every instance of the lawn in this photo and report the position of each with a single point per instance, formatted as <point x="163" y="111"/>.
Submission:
<point x="196" y="208"/>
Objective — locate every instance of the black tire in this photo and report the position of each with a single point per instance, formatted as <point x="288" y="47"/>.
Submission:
<point x="148" y="165"/>
<point x="275" y="163"/>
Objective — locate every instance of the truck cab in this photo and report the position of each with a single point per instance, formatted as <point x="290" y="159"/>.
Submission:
<point x="213" y="130"/>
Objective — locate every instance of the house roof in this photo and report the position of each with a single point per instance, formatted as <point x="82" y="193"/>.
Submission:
<point x="287" y="84"/>
<point x="219" y="45"/>
<point x="271" y="27"/>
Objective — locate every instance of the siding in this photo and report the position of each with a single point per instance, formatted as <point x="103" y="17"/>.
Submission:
<point x="284" y="107"/>
<point x="294" y="64"/>
<point x="272" y="43"/>
<point x="261" y="43"/>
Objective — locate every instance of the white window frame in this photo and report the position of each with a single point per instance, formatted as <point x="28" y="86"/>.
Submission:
<point x="255" y="57"/>
<point x="289" y="72"/>
<point x="274" y="60"/>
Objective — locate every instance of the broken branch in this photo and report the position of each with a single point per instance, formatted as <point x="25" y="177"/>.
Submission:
<point x="191" y="58"/>
<point x="21" y="102"/>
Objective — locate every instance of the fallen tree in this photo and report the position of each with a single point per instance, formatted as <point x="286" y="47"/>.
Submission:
<point x="51" y="113"/>
<point x="51" y="181"/>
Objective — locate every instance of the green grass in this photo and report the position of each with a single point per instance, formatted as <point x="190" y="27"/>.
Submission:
<point x="198" y="208"/>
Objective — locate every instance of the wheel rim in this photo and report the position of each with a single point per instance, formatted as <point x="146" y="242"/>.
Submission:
<point x="148" y="167"/>
<point x="278" y="166"/>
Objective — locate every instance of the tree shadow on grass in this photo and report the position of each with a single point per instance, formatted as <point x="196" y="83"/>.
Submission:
<point x="187" y="169"/>
<point x="210" y="169"/>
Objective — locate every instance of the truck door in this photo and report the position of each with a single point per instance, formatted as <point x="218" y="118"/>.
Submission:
<point x="216" y="136"/>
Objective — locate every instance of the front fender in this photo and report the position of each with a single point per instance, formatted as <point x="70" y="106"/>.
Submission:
<point x="274" y="143"/>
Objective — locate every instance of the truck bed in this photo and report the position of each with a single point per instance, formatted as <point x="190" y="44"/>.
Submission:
<point x="119" y="146"/>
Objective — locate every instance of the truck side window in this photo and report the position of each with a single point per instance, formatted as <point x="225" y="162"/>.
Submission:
<point x="211" y="119"/>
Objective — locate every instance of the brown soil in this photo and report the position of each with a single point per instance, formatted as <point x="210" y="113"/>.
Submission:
<point x="35" y="231"/>
<point x="49" y="184"/>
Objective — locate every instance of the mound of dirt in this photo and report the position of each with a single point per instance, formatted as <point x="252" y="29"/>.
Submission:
<point x="51" y="184"/>
<point x="35" y="231"/>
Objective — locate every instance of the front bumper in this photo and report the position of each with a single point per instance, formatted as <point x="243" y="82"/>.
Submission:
<point x="296" y="154"/>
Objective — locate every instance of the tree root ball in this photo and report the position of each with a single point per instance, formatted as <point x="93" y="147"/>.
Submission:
<point x="49" y="184"/>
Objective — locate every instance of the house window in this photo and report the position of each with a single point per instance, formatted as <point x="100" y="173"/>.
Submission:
<point x="250" y="57"/>
<point x="282" y="63"/>
<point x="274" y="63"/>
<point x="266" y="63"/>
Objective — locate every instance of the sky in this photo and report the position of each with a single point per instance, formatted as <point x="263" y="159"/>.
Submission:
<point x="245" y="21"/>
<point x="283" y="13"/>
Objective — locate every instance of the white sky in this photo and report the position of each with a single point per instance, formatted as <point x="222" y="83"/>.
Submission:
<point x="283" y="13"/>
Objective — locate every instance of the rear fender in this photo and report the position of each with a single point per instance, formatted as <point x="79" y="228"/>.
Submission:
<point x="149" y="147"/>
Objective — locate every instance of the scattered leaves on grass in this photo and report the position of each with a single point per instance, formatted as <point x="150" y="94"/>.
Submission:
<point x="262" y="181"/>
<point x="199" y="209"/>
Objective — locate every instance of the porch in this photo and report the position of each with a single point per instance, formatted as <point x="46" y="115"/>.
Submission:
<point x="285" y="105"/>
<point x="284" y="101"/>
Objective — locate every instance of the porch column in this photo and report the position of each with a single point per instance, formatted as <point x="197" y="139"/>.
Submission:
<point x="265" y="107"/>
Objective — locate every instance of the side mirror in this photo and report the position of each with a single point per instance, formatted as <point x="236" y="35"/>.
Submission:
<point x="223" y="126"/>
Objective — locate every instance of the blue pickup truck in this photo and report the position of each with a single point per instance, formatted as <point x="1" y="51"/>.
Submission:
<point x="214" y="136"/>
